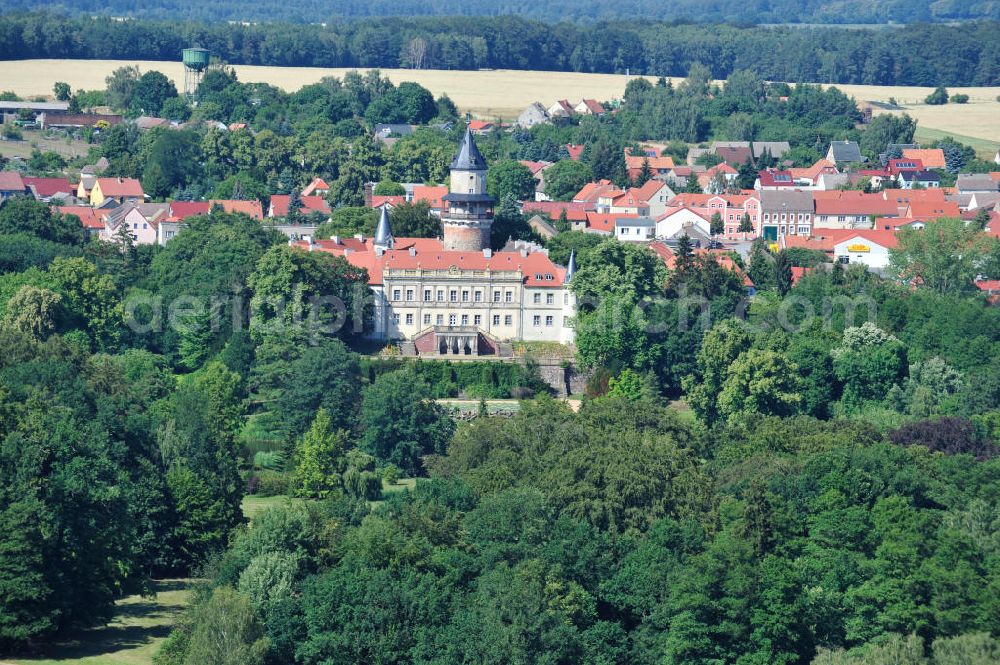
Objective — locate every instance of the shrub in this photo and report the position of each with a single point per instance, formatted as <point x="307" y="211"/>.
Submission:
<point x="959" y="99"/>
<point x="938" y="97"/>
<point x="272" y="460"/>
<point x="269" y="483"/>
<point x="362" y="484"/>
<point x="951" y="436"/>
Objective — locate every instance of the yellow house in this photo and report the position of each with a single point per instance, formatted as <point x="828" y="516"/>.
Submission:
<point x="122" y="190"/>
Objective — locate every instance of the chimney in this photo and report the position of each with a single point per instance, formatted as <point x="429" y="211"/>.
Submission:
<point x="379" y="250"/>
<point x="488" y="253"/>
<point x="360" y="237"/>
<point x="413" y="251"/>
<point x="335" y="239"/>
<point x="524" y="252"/>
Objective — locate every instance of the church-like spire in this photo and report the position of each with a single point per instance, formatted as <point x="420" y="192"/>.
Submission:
<point x="468" y="157"/>
<point x="571" y="266"/>
<point x="383" y="234"/>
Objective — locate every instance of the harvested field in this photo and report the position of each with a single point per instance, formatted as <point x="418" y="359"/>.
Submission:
<point x="503" y="93"/>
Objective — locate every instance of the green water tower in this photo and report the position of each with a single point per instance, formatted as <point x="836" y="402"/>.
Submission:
<point x="195" y="63"/>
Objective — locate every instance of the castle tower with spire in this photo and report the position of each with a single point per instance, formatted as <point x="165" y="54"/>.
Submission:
<point x="469" y="216"/>
<point x="383" y="233"/>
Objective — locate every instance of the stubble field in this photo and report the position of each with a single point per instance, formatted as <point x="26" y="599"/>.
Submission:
<point x="503" y="93"/>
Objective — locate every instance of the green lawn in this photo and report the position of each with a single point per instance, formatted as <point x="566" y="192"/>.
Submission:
<point x="132" y="637"/>
<point x="984" y="149"/>
<point x="256" y="504"/>
<point x="34" y="138"/>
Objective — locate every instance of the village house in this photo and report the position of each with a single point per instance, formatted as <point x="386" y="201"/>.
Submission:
<point x="976" y="182"/>
<point x="590" y="107"/>
<point x="119" y="190"/>
<point x="922" y="179"/>
<point x="681" y="221"/>
<point x="730" y="207"/>
<point x="310" y="204"/>
<point x="652" y="157"/>
<point x="11" y="184"/>
<point x="140" y="219"/>
<point x="317" y="187"/>
<point x="771" y="179"/>
<point x="844" y="152"/>
<point x="786" y="212"/>
<point x="454" y="296"/>
<point x="850" y="209"/>
<point x="47" y="189"/>
<point x="561" y="110"/>
<point x="534" y="114"/>
<point x="931" y="158"/>
<point x="635" y="229"/>
<point x="90" y="218"/>
<point x="754" y="150"/>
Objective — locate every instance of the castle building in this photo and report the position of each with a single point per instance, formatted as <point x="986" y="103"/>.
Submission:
<point x="454" y="295"/>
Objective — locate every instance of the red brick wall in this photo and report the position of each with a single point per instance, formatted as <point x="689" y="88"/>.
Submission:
<point x="426" y="343"/>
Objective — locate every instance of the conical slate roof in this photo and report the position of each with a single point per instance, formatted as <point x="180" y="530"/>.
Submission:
<point x="383" y="234"/>
<point x="468" y="157"/>
<point x="571" y="266"/>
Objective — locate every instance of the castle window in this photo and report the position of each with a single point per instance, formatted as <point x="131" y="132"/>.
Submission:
<point x="549" y="298"/>
<point x="451" y="319"/>
<point x="465" y="319"/>
<point x="477" y="320"/>
<point x="409" y="294"/>
<point x="496" y="296"/>
<point x="395" y="294"/>
<point x="465" y="296"/>
<point x="538" y="298"/>
<point x="409" y="319"/>
<point x="427" y="319"/>
<point x="440" y="295"/>
<point x="496" y="319"/>
<point x="508" y="320"/>
<point x="509" y="296"/>
<point x="440" y="319"/>
<point x="548" y="321"/>
<point x="453" y="295"/>
<point x="536" y="320"/>
<point x="427" y="295"/>
<point x="395" y="319"/>
<point x="478" y="296"/>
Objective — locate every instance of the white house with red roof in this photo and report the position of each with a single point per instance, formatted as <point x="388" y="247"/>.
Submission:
<point x="867" y="247"/>
<point x="681" y="220"/>
<point x="454" y="295"/>
<point x="590" y="107"/>
<point x="310" y="204"/>
<point x="317" y="187"/>
<point x="660" y="166"/>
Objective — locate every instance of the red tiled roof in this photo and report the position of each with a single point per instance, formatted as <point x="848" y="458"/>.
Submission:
<point x="534" y="167"/>
<point x="554" y="209"/>
<point x="393" y="201"/>
<point x="10" y="181"/>
<point x="605" y="221"/>
<point x="593" y="106"/>
<point x="592" y="191"/>
<point x="251" y="208"/>
<point x="933" y="209"/>
<point x="181" y="210"/>
<point x="931" y="158"/>
<point x="279" y="204"/>
<point x="430" y="255"/>
<point x="127" y="187"/>
<point x="88" y="216"/>
<point x="46" y="187"/>
<point x="851" y="203"/>
<point x="433" y="195"/>
<point x="479" y="125"/>
<point x="775" y="178"/>
<point x="812" y="172"/>
<point x="316" y="184"/>
<point x="898" y="165"/>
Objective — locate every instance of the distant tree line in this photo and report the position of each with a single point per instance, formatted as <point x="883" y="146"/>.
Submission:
<point x="925" y="54"/>
<point x="774" y="11"/>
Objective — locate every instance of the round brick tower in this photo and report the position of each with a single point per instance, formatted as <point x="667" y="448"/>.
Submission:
<point x="469" y="216"/>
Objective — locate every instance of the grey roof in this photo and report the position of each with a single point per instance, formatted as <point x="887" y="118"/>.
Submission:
<point x="846" y="151"/>
<point x="385" y="129"/>
<point x="34" y="106"/>
<point x="772" y="200"/>
<point x="976" y="182"/>
<point x="776" y="148"/>
<point x="641" y="222"/>
<point x="383" y="234"/>
<point x="570" y="266"/>
<point x="468" y="157"/>
<point x="922" y="176"/>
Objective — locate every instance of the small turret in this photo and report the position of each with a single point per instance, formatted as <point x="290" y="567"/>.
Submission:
<point x="468" y="158"/>
<point x="570" y="267"/>
<point x="383" y="234"/>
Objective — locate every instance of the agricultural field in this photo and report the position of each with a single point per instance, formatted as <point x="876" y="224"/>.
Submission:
<point x="503" y="93"/>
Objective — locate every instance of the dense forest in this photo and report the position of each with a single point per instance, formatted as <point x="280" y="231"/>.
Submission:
<point x="756" y="11"/>
<point x="923" y="54"/>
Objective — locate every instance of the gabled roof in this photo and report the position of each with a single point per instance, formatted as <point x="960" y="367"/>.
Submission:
<point x="252" y="208"/>
<point x="554" y="209"/>
<point x="933" y="209"/>
<point x="535" y="167"/>
<point x="604" y="221"/>
<point x="468" y="157"/>
<point x="181" y="210"/>
<point x="846" y="151"/>
<point x="432" y="194"/>
<point x="920" y="176"/>
<point x="932" y="158"/>
<point x="853" y="202"/>
<point x="127" y="187"/>
<point x="392" y="201"/>
<point x="593" y="106"/>
<point x="537" y="268"/>
<point x="279" y="204"/>
<point x="317" y="183"/>
<point x="734" y="155"/>
<point x="592" y="191"/>
<point x="900" y="165"/>
<point x="10" y="181"/>
<point x="47" y="187"/>
<point x="88" y="216"/>
<point x="775" y="178"/>
<point x="811" y="173"/>
<point x="480" y="125"/>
